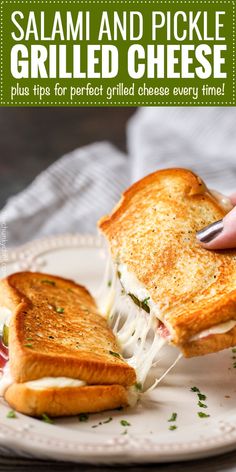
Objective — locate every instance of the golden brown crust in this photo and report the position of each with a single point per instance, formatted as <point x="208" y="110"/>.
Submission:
<point x="65" y="401"/>
<point x="209" y="344"/>
<point x="153" y="231"/>
<point x="45" y="340"/>
<point x="194" y="186"/>
<point x="205" y="317"/>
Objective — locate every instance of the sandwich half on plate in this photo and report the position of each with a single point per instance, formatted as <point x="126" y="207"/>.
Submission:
<point x="58" y="355"/>
<point x="163" y="278"/>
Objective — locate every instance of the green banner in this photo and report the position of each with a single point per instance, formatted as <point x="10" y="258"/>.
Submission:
<point x="117" y="53"/>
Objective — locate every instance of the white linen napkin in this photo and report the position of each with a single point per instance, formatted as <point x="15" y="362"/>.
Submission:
<point x="74" y="192"/>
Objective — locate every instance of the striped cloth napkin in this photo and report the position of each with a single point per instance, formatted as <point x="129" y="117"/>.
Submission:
<point x="73" y="193"/>
<point x="202" y="139"/>
<point x="70" y="196"/>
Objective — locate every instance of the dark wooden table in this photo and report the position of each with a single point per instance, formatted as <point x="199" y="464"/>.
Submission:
<point x="223" y="463"/>
<point x="30" y="140"/>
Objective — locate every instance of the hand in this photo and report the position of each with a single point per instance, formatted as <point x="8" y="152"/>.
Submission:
<point x="222" y="233"/>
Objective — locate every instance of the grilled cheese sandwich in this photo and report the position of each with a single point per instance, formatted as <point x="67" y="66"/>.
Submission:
<point x="59" y="356"/>
<point x="190" y="292"/>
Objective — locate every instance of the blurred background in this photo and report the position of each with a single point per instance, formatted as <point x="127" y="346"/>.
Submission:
<point x="33" y="138"/>
<point x="61" y="169"/>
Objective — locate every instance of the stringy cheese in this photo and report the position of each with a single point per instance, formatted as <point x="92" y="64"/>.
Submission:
<point x="135" y="329"/>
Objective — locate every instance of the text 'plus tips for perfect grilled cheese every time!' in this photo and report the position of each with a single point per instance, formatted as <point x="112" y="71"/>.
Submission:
<point x="117" y="53"/>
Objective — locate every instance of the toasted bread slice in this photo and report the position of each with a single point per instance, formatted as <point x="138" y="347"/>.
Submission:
<point x="152" y="231"/>
<point x="65" y="401"/>
<point x="57" y="331"/>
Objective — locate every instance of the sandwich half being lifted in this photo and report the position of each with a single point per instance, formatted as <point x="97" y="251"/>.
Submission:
<point x="58" y="355"/>
<point x="187" y="293"/>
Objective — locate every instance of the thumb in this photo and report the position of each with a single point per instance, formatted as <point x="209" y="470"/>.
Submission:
<point x="221" y="234"/>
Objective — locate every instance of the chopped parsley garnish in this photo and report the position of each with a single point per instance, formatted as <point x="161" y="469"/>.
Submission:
<point x="29" y="339"/>
<point x="83" y="417"/>
<point x="59" y="309"/>
<point x="145" y="306"/>
<point x="138" y="386"/>
<point x="145" y="301"/>
<point x="201" y="396"/>
<point x="28" y="345"/>
<point x="124" y="432"/>
<point x="103" y="422"/>
<point x="135" y="299"/>
<point x="11" y="414"/>
<point x="141" y="304"/>
<point x="202" y="415"/>
<point x="115" y="354"/>
<point x="173" y="417"/>
<point x="125" y="423"/>
<point x="109" y="283"/>
<point x="49" y="282"/>
<point x="172" y="427"/>
<point x="202" y="405"/>
<point x="46" y="419"/>
<point x="234" y="350"/>
<point x="107" y="421"/>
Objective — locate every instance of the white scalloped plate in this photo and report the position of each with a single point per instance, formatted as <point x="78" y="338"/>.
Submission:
<point x="148" y="438"/>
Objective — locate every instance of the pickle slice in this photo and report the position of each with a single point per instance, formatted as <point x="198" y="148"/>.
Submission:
<point x="5" y="335"/>
<point x="140" y="303"/>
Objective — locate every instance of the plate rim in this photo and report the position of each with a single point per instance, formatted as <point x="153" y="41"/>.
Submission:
<point x="31" y="249"/>
<point x="116" y="449"/>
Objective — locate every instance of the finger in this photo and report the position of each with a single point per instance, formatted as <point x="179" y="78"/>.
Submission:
<point x="233" y="198"/>
<point x="221" y="234"/>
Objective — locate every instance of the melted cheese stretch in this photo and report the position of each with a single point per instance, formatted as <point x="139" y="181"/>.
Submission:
<point x="132" y="285"/>
<point x="140" y="341"/>
<point x="136" y="330"/>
